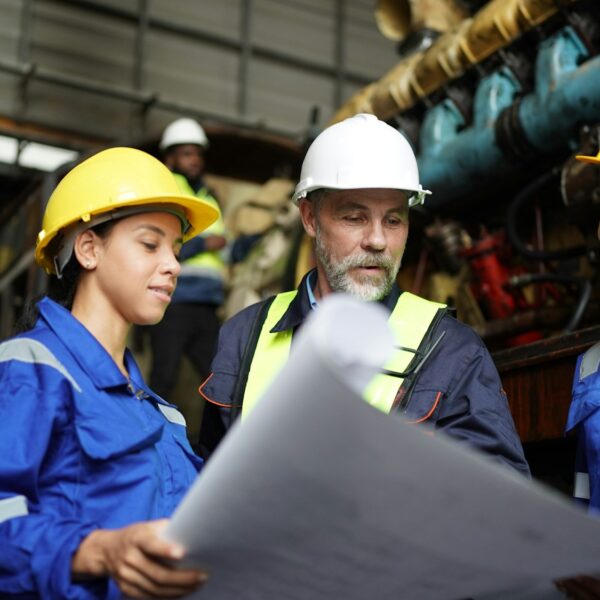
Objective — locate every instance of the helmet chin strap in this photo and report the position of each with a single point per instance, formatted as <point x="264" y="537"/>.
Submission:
<point x="67" y="240"/>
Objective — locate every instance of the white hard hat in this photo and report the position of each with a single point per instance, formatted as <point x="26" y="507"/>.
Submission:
<point x="360" y="152"/>
<point x="183" y="131"/>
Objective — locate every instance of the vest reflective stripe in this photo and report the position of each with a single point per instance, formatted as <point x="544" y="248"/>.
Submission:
<point x="209" y="261"/>
<point x="31" y="351"/>
<point x="410" y="320"/>
<point x="212" y="259"/>
<point x="271" y="352"/>
<point x="192" y="270"/>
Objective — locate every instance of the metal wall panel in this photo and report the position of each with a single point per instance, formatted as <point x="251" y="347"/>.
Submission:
<point x="193" y="55"/>
<point x="192" y="72"/>
<point x="284" y="97"/>
<point x="67" y="39"/>
<point x="80" y="112"/>
<point x="366" y="50"/>
<point x="10" y="28"/>
<point x="305" y="28"/>
<point x="220" y="17"/>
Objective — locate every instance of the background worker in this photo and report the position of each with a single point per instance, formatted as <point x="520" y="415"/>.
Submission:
<point x="91" y="460"/>
<point x="584" y="420"/>
<point x="191" y="324"/>
<point x="584" y="414"/>
<point x="358" y="179"/>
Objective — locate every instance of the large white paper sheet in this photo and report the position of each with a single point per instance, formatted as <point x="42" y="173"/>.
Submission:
<point x="317" y="495"/>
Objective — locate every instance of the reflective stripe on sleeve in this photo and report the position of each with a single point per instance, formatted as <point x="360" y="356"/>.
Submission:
<point x="31" y="351"/>
<point x="590" y="362"/>
<point x="582" y="486"/>
<point x="15" y="506"/>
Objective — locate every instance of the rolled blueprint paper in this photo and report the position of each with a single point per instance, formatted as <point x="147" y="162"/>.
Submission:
<point x="316" y="495"/>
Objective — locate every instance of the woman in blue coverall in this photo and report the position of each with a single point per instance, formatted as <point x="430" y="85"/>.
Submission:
<point x="91" y="460"/>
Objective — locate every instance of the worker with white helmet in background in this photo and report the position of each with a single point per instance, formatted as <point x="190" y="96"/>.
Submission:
<point x="190" y="326"/>
<point x="358" y="180"/>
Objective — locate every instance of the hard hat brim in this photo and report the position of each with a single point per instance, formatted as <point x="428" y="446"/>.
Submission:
<point x="592" y="160"/>
<point x="200" y="215"/>
<point x="416" y="196"/>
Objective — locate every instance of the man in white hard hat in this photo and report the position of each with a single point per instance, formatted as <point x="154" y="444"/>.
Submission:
<point x="190" y="325"/>
<point x="358" y="180"/>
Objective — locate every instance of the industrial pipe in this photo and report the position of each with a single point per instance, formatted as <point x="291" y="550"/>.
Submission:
<point x="453" y="162"/>
<point x="468" y="43"/>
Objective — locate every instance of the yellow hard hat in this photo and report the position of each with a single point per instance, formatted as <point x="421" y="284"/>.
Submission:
<point x="114" y="179"/>
<point x="594" y="160"/>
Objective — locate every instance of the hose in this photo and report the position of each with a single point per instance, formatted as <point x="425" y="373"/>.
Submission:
<point x="585" y="292"/>
<point x="511" y="223"/>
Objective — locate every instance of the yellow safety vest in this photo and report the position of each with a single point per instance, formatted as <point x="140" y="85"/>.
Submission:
<point x="410" y="320"/>
<point x="211" y="260"/>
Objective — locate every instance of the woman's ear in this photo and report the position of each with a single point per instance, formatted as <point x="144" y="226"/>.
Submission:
<point x="85" y="249"/>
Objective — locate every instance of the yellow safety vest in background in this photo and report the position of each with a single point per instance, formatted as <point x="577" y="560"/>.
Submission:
<point x="410" y="320"/>
<point x="211" y="262"/>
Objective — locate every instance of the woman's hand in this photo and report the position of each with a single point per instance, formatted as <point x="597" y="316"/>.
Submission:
<point x="137" y="559"/>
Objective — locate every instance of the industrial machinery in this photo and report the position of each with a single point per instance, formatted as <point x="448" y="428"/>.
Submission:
<point x="496" y="98"/>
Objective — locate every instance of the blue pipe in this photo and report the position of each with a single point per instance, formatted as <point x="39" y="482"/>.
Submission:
<point x="456" y="161"/>
<point x="566" y="94"/>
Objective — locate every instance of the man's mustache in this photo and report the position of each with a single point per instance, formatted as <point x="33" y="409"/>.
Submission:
<point x="369" y="260"/>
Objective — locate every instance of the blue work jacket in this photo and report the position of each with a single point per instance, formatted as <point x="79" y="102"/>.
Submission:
<point x="86" y="447"/>
<point x="584" y="418"/>
<point x="457" y="389"/>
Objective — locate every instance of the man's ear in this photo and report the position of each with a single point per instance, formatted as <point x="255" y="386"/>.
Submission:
<point x="85" y="249"/>
<point x="307" y="214"/>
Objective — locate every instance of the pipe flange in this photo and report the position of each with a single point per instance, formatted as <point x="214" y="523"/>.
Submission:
<point x="511" y="137"/>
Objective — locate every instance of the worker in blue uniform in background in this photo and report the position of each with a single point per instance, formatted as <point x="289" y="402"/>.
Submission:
<point x="584" y="415"/>
<point x="91" y="460"/>
<point x="191" y="325"/>
<point x="358" y="179"/>
<point x="584" y="420"/>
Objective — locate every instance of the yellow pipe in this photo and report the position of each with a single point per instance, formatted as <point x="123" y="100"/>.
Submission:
<point x="496" y="25"/>
<point x="397" y="18"/>
<point x="394" y="93"/>
<point x="442" y="61"/>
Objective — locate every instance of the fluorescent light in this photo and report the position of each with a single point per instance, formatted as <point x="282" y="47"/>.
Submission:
<point x="44" y="157"/>
<point x="8" y="149"/>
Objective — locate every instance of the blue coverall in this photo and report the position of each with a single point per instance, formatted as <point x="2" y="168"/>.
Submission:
<point x="86" y="447"/>
<point x="584" y="418"/>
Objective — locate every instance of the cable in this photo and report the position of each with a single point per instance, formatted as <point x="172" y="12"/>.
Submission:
<point x="585" y="292"/>
<point x="512" y="218"/>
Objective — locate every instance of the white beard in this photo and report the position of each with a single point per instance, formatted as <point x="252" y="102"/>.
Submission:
<point x="364" y="288"/>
